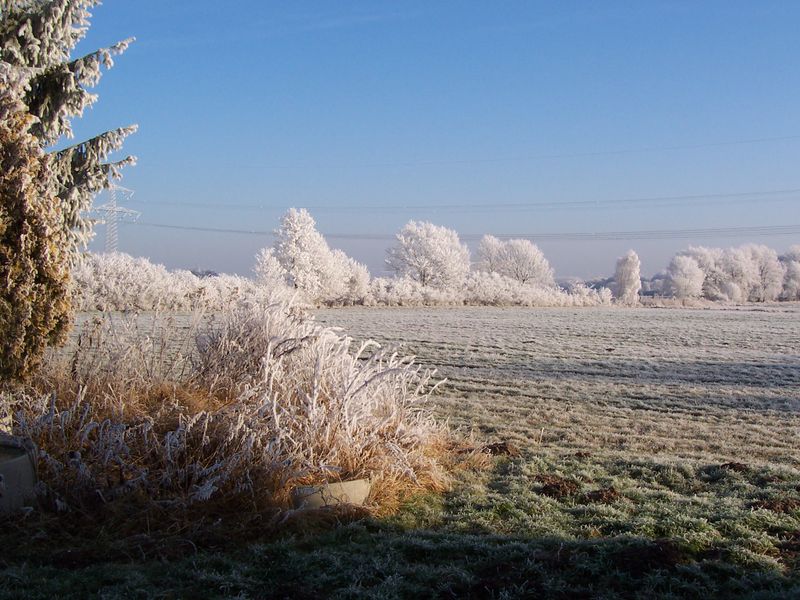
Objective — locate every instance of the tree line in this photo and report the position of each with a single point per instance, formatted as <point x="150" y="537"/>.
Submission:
<point x="432" y="267"/>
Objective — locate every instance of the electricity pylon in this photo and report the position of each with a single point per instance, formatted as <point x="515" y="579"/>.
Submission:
<point x="112" y="213"/>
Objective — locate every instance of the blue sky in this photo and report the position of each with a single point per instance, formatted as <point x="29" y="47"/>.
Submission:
<point x="248" y="107"/>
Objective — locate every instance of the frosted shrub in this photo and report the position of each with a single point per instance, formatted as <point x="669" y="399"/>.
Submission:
<point x="404" y="291"/>
<point x="119" y="282"/>
<point x="581" y="295"/>
<point x="233" y="412"/>
<point x="499" y="290"/>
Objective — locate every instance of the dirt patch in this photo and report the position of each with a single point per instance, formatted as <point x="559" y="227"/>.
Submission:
<point x="778" y="505"/>
<point x="556" y="487"/>
<point x="602" y="496"/>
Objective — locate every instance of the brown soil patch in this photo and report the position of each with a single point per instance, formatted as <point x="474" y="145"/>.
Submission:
<point x="556" y="487"/>
<point x="602" y="496"/>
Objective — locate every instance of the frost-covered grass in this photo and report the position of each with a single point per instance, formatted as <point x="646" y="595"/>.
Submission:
<point x="658" y="457"/>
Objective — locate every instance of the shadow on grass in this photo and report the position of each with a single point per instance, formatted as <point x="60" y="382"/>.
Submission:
<point x="368" y="559"/>
<point x="416" y="554"/>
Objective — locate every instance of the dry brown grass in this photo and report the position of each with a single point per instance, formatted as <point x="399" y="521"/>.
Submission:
<point x="171" y="433"/>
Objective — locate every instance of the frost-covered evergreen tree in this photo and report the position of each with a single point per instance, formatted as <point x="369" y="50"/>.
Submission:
<point x="44" y="195"/>
<point x="628" y="279"/>
<point x="303" y="253"/>
<point x="429" y="254"/>
<point x="34" y="273"/>
<point x="324" y="275"/>
<point x="520" y="260"/>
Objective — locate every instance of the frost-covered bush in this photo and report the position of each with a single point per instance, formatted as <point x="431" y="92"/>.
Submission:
<point x="582" y="295"/>
<point x="627" y="279"/>
<point x="480" y="289"/>
<point x="118" y="281"/>
<point x="430" y="254"/>
<point x="225" y="416"/>
<point x="404" y="291"/>
<point x="498" y="290"/>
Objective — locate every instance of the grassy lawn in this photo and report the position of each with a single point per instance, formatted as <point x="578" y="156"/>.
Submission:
<point x="642" y="453"/>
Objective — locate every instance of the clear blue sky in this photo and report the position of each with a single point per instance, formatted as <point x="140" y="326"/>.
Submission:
<point x="421" y="103"/>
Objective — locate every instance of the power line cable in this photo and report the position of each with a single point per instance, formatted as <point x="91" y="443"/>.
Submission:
<point x="764" y="196"/>
<point x="533" y="157"/>
<point x="655" y="234"/>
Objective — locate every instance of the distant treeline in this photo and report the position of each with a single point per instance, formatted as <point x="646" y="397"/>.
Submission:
<point x="432" y="267"/>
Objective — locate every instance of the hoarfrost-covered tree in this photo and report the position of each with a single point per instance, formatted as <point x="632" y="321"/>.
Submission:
<point x="750" y="273"/>
<point x="518" y="259"/>
<point x="355" y="279"/>
<point x="710" y="262"/>
<point x="303" y="253"/>
<point x="42" y="225"/>
<point x="430" y="254"/>
<point x="791" y="279"/>
<point x="767" y="273"/>
<point x="324" y="275"/>
<point x="628" y="279"/>
<point x="37" y="37"/>
<point x="34" y="267"/>
<point x="685" y="277"/>
<point x="268" y="269"/>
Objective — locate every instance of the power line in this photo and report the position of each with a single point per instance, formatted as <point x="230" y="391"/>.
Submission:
<point x="587" y="154"/>
<point x="529" y="158"/>
<point x="654" y="234"/>
<point x="764" y="196"/>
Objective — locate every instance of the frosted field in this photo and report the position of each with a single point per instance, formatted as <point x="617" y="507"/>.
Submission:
<point x="711" y="385"/>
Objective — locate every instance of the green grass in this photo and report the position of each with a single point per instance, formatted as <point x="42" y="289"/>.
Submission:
<point x="679" y="483"/>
